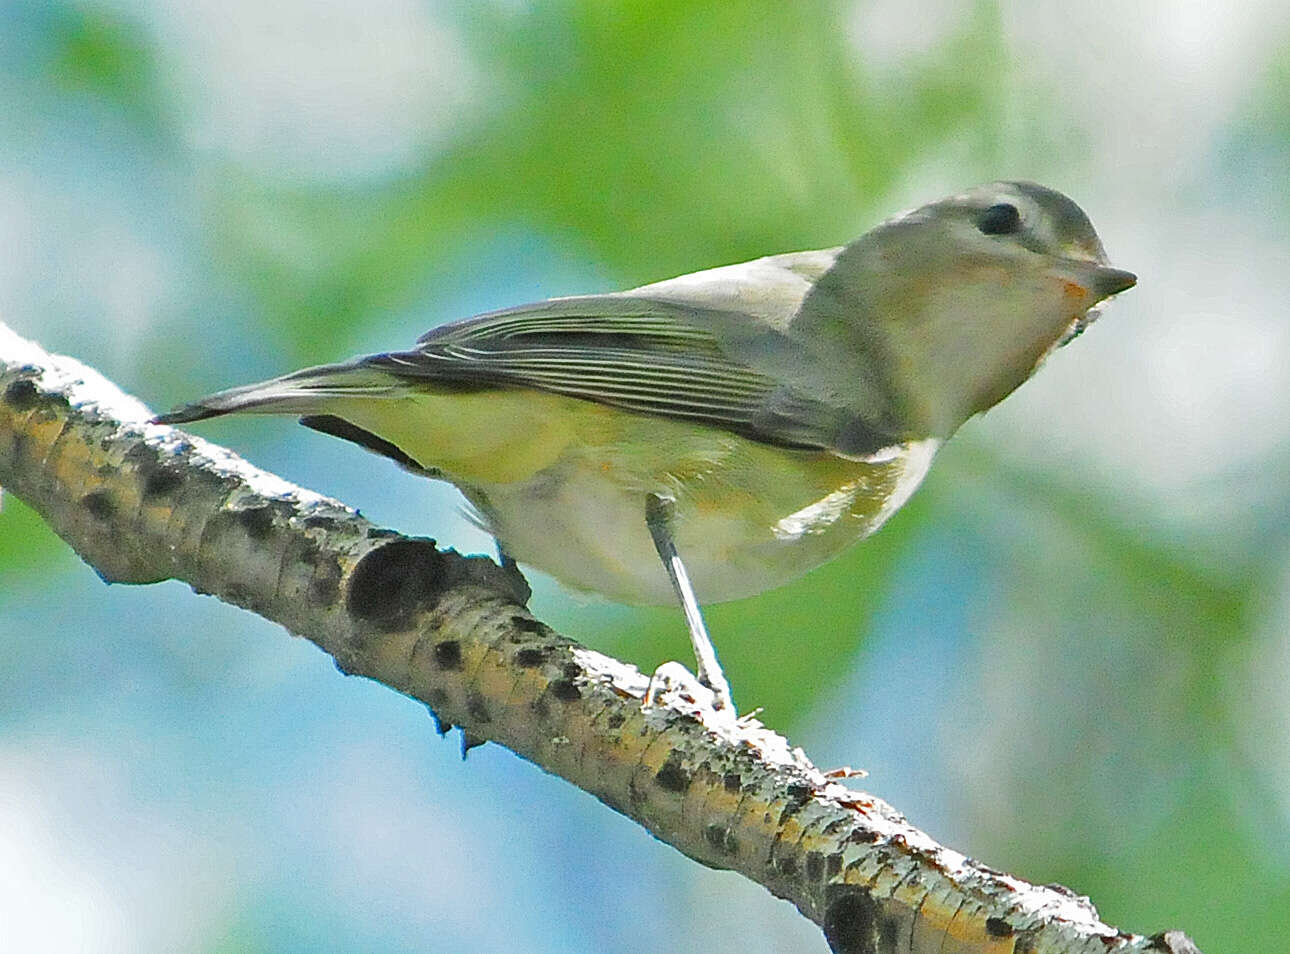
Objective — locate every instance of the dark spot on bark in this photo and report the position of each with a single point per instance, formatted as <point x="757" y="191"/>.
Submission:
<point x="997" y="927"/>
<point x="850" y="920"/>
<point x="798" y="795"/>
<point x="540" y="708"/>
<point x="382" y="533"/>
<point x="815" y="865"/>
<point x="722" y="839"/>
<point x="477" y="708"/>
<point x="833" y="866"/>
<point x="732" y="782"/>
<point x="394" y="582"/>
<point x="863" y="836"/>
<point x="156" y="479"/>
<point x="528" y="658"/>
<point x="159" y="481"/>
<point x="437" y="699"/>
<point x="447" y="655"/>
<point x="565" y="690"/>
<point x="22" y="395"/>
<point x="141" y="456"/>
<point x="100" y="505"/>
<point x="527" y="624"/>
<point x="256" y="521"/>
<point x="320" y="521"/>
<point x="616" y="720"/>
<point x="787" y="865"/>
<point x="1024" y="944"/>
<point x="572" y="670"/>
<point x="672" y="776"/>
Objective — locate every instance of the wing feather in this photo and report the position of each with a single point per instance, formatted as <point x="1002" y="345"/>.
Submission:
<point x="642" y="355"/>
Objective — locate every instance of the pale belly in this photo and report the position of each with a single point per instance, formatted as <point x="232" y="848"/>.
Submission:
<point x="748" y="517"/>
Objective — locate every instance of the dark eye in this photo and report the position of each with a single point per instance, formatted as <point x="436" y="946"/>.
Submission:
<point x="1001" y="219"/>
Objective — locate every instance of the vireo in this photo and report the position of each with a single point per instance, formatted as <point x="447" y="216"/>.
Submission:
<point x="712" y="436"/>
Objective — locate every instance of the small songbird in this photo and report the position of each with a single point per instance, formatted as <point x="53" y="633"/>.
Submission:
<point x="715" y="435"/>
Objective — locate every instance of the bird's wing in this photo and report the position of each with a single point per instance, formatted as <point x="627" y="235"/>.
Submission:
<point x="650" y="356"/>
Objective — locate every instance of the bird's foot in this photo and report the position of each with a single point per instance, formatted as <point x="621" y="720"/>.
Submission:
<point x="672" y="685"/>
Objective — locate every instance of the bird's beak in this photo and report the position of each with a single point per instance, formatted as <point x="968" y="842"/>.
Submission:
<point x="1107" y="281"/>
<point x="1097" y="281"/>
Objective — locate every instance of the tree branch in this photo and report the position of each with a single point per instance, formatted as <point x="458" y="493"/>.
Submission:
<point x="142" y="503"/>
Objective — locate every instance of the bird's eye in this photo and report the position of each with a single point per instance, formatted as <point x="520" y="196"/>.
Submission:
<point x="1000" y="219"/>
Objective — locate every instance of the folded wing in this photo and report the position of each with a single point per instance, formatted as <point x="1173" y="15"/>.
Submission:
<point x="651" y="357"/>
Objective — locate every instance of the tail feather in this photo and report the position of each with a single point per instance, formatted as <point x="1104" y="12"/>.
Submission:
<point x="301" y="392"/>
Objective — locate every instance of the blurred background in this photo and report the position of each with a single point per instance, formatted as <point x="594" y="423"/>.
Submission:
<point x="1068" y="656"/>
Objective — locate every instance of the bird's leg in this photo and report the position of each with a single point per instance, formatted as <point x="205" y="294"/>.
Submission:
<point x="659" y="512"/>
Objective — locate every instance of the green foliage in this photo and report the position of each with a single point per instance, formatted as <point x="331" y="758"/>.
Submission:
<point x="99" y="52"/>
<point x="1203" y="867"/>
<point x="28" y="547"/>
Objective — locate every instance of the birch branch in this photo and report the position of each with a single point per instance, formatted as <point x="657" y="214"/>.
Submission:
<point x="142" y="503"/>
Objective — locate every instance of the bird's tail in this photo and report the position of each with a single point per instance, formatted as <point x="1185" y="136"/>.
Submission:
<point x="304" y="392"/>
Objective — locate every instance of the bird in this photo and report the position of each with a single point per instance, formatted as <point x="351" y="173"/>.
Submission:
<point x="712" y="436"/>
